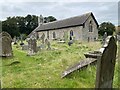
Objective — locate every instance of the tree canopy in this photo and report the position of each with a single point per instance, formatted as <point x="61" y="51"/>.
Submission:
<point x="106" y="27"/>
<point x="23" y="25"/>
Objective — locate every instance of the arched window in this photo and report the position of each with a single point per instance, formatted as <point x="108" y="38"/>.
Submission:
<point x="71" y="33"/>
<point x="90" y="27"/>
<point x="54" y="36"/>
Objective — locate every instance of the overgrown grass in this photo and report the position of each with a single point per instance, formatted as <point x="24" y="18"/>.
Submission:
<point x="45" y="68"/>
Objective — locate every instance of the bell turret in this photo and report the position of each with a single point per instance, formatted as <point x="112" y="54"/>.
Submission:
<point x="40" y="20"/>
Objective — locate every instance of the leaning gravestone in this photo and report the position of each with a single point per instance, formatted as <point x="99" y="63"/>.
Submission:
<point x="106" y="65"/>
<point x="6" y="46"/>
<point x="32" y="46"/>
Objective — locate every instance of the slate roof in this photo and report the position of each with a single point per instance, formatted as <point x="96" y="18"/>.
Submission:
<point x="69" y="22"/>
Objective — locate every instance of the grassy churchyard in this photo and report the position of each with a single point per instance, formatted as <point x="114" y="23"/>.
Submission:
<point x="44" y="69"/>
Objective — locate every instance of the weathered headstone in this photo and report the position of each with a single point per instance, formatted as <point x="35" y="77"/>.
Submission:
<point x="105" y="44"/>
<point x="42" y="45"/>
<point x="32" y="46"/>
<point x="65" y="36"/>
<point x="93" y="54"/>
<point x="106" y="65"/>
<point x="91" y="58"/>
<point x="15" y="40"/>
<point x="47" y="42"/>
<point x="104" y="38"/>
<point x="43" y="38"/>
<point x="24" y="47"/>
<point x="118" y="38"/>
<point x="82" y="64"/>
<point x="21" y="38"/>
<point x="5" y="42"/>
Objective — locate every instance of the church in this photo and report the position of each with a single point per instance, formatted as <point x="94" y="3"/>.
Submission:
<point x="82" y="28"/>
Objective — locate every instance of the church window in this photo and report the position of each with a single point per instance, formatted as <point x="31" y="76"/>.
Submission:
<point x="90" y="27"/>
<point x="54" y="36"/>
<point x="71" y="33"/>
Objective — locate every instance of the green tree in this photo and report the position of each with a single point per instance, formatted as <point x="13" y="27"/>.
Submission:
<point x="10" y="26"/>
<point x="49" y="19"/>
<point x="106" y="27"/>
<point x="22" y="25"/>
<point x="31" y="22"/>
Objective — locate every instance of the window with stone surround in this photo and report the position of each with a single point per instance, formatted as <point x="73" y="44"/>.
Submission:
<point x="71" y="33"/>
<point x="90" y="27"/>
<point x="54" y="35"/>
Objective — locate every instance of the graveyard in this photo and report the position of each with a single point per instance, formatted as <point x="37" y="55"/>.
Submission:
<point x="44" y="69"/>
<point x="59" y="44"/>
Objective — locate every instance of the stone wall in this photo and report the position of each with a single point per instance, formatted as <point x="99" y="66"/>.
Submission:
<point x="41" y="33"/>
<point x="59" y="33"/>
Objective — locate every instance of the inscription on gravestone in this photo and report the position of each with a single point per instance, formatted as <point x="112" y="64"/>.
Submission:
<point x="106" y="65"/>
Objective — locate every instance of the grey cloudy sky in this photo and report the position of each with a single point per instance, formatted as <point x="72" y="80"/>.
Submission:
<point x="103" y="11"/>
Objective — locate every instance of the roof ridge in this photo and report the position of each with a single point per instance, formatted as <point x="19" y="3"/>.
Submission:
<point x="71" y="21"/>
<point x="68" y="18"/>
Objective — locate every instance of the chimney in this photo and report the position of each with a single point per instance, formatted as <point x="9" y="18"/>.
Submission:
<point x="40" y="20"/>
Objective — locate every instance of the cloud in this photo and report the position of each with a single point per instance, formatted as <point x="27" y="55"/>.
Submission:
<point x="119" y="13"/>
<point x="103" y="11"/>
<point x="59" y="1"/>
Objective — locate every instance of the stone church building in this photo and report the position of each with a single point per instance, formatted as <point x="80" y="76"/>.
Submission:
<point x="83" y="28"/>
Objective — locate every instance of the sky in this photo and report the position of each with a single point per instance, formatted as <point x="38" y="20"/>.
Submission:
<point x="103" y="11"/>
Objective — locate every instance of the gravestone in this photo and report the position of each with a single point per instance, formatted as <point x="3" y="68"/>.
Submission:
<point x="21" y="38"/>
<point x="106" y="66"/>
<point x="65" y="36"/>
<point x="105" y="44"/>
<point x="24" y="47"/>
<point x="104" y="38"/>
<point x="43" y="38"/>
<point x="47" y="42"/>
<point x="15" y="40"/>
<point x="32" y="46"/>
<point x="42" y="46"/>
<point x="78" y="66"/>
<point x="118" y="38"/>
<point x="6" y="46"/>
